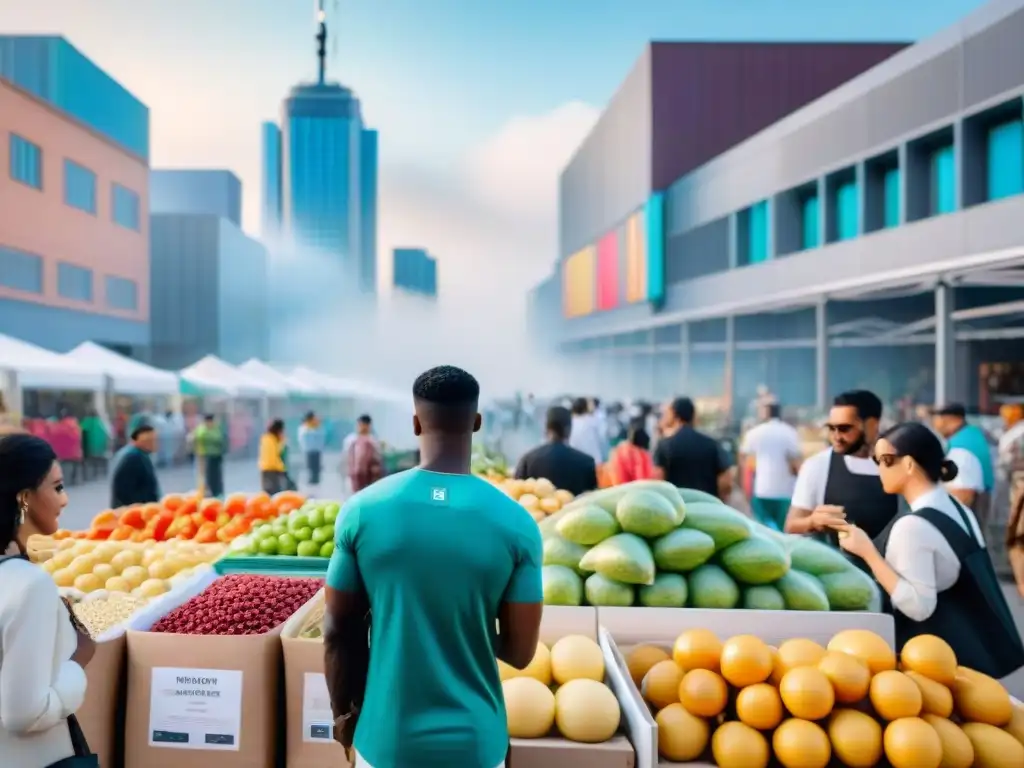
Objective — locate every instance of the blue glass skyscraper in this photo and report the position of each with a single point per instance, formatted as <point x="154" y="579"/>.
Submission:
<point x="320" y="177"/>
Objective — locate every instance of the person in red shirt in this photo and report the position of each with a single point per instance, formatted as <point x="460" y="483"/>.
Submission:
<point x="632" y="458"/>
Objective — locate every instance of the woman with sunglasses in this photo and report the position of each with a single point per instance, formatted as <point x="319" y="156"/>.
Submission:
<point x="913" y="560"/>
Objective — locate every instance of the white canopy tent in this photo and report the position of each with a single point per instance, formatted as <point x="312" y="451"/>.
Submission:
<point x="342" y="387"/>
<point x="264" y="373"/>
<point x="38" y="368"/>
<point x="212" y="373"/>
<point x="129" y="376"/>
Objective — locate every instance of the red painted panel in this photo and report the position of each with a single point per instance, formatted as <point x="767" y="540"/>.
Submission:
<point x="608" y="271"/>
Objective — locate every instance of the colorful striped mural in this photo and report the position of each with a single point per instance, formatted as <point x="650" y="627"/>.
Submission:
<point x="608" y="271"/>
<point x="579" y="277"/>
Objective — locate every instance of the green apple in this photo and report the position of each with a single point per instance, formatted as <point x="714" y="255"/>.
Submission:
<point x="279" y="527"/>
<point x="327" y="549"/>
<point x="331" y="510"/>
<point x="308" y="549"/>
<point x="315" y="517"/>
<point x="321" y="534"/>
<point x="268" y="546"/>
<point x="303" y="534"/>
<point x="286" y="544"/>
<point x="296" y="521"/>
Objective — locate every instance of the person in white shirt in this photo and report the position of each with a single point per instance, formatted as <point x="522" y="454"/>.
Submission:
<point x="43" y="651"/>
<point x="969" y="482"/>
<point x="915" y="561"/>
<point x="775" y="449"/>
<point x="586" y="434"/>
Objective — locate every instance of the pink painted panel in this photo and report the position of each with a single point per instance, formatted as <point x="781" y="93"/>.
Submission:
<point x="608" y="271"/>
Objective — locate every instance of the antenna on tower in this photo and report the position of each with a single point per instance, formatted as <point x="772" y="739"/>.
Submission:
<point x="321" y="40"/>
<point x="334" y="40"/>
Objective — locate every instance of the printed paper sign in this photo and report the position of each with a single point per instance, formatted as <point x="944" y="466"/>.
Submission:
<point x="195" y="709"/>
<point x="317" y="717"/>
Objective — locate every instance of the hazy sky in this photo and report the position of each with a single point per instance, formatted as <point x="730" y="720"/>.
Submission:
<point x="479" y="103"/>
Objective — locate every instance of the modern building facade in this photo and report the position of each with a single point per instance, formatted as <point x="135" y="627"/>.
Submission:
<point x="182" y="190"/>
<point x="74" y="235"/>
<point x="869" y="238"/>
<point x="212" y="297"/>
<point x="414" y="271"/>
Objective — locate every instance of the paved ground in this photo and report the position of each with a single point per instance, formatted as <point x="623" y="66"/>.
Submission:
<point x="89" y="498"/>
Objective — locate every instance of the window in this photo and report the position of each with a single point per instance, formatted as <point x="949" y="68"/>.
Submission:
<point x="847" y="211"/>
<point x="26" y="162"/>
<point x="122" y="293"/>
<point x="1005" y="160"/>
<point x="125" y="207"/>
<point x="943" y="168"/>
<point x="74" y="282"/>
<point x="20" y="270"/>
<point x="757" y="248"/>
<point x="891" y="197"/>
<point x="79" y="187"/>
<point x="810" y="230"/>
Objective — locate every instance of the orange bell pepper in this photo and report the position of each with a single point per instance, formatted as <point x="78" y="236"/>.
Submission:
<point x="122" y="533"/>
<point x="132" y="517"/>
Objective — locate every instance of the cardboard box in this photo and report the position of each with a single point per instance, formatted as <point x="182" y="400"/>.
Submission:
<point x="200" y="701"/>
<point x="309" y="724"/>
<point x="99" y="714"/>
<point x="622" y="629"/>
<point x="556" y="752"/>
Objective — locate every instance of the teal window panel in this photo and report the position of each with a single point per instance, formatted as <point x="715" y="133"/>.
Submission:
<point x="79" y="187"/>
<point x="1005" y="160"/>
<point x="655" y="219"/>
<point x="26" y="162"/>
<point x="757" y="246"/>
<point x="847" y="211"/>
<point x="74" y="282"/>
<point x="944" y="178"/>
<point x="125" y="209"/>
<point x="891" y="189"/>
<point x="810" y="231"/>
<point x="121" y="293"/>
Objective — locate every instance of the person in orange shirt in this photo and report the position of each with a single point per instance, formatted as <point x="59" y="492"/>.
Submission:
<point x="631" y="459"/>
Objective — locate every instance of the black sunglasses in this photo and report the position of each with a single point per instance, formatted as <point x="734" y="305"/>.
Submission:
<point x="842" y="429"/>
<point x="886" y="459"/>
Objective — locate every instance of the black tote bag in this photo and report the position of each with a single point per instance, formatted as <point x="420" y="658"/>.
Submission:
<point x="83" y="757"/>
<point x="975" y="618"/>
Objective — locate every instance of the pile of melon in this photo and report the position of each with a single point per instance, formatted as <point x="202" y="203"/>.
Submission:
<point x="562" y="693"/>
<point x="538" y="495"/>
<point x="743" y="703"/>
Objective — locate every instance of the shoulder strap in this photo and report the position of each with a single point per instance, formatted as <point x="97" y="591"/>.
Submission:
<point x="962" y="543"/>
<point x="967" y="522"/>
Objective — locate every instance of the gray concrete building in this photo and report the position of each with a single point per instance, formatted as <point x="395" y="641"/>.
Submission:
<point x="873" y="236"/>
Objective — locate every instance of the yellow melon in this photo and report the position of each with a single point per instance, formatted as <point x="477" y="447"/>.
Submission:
<point x="957" y="750"/>
<point x="576" y="657"/>
<point x="799" y="652"/>
<point x="1016" y="725"/>
<point x="930" y="656"/>
<point x="994" y="747"/>
<point x="801" y="744"/>
<point x="777" y="669"/>
<point x="529" y="707"/>
<point x="759" y="706"/>
<point x="735" y="745"/>
<point x="539" y="668"/>
<point x="697" y="649"/>
<point x="850" y="677"/>
<point x="894" y="695"/>
<point x="586" y="711"/>
<point x="936" y="699"/>
<point x="980" y="698"/>
<point x="703" y="693"/>
<point x="682" y="737"/>
<point x="745" y="660"/>
<point x="911" y="743"/>
<point x="866" y="646"/>
<point x="807" y="693"/>
<point x="660" y="686"/>
<point x="640" y="660"/>
<point x="856" y="738"/>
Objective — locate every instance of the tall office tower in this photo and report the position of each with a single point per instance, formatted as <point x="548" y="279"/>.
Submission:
<point x="320" y="176"/>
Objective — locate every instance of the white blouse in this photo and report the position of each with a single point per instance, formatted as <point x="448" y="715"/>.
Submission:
<point x="922" y="557"/>
<point x="39" y="684"/>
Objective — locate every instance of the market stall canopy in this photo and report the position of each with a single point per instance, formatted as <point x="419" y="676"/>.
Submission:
<point x="130" y="377"/>
<point x="213" y="375"/>
<point x="351" y="388"/>
<point x="39" y="368"/>
<point x="263" y="372"/>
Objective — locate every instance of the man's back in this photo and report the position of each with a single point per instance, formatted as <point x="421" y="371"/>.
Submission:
<point x="691" y="459"/>
<point x="565" y="466"/>
<point x="775" y="446"/>
<point x="437" y="555"/>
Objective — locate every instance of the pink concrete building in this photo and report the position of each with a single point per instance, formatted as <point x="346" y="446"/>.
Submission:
<point x="74" y="230"/>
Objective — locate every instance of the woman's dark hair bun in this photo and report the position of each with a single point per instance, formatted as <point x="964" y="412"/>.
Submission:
<point x="948" y="471"/>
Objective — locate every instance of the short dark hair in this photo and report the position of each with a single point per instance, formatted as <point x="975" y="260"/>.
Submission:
<point x="558" y="422"/>
<point x="956" y="410"/>
<point x="867" y="404"/>
<point x="637" y="434"/>
<point x="309" y="416"/>
<point x="683" y="408"/>
<point x="446" y="399"/>
<point x="773" y="410"/>
<point x="920" y="443"/>
<point x="208" y="417"/>
<point x="276" y="427"/>
<point x="580" y="406"/>
<point x="365" y="419"/>
<point x="140" y="429"/>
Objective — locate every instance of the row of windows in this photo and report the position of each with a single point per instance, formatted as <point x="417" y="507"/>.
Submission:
<point x="929" y="177"/>
<point x="26" y="167"/>
<point x="23" y="271"/>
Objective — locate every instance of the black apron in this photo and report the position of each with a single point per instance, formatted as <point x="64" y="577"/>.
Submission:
<point x="972" y="615"/>
<point x="867" y="504"/>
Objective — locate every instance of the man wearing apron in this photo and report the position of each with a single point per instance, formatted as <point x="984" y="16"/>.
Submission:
<point x="842" y="483"/>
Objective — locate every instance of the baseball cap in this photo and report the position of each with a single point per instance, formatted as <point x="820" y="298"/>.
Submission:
<point x="950" y="409"/>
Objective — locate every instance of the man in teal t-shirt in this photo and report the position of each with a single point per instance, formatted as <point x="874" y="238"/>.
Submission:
<point x="432" y="558"/>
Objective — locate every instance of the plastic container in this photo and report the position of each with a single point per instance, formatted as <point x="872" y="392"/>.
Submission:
<point x="274" y="565"/>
